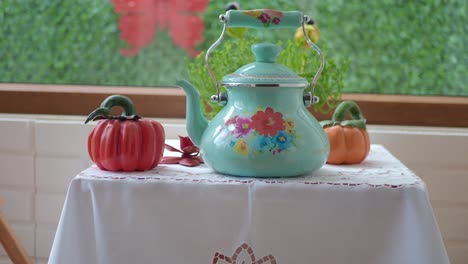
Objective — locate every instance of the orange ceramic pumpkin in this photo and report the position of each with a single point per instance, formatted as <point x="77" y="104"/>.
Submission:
<point x="349" y="140"/>
<point x="127" y="142"/>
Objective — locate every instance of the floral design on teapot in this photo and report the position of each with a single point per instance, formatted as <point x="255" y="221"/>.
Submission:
<point x="263" y="132"/>
<point x="266" y="16"/>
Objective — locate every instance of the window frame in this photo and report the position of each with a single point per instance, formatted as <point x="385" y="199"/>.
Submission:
<point x="169" y="102"/>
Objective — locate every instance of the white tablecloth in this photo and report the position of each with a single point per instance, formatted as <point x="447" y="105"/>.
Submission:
<point x="376" y="212"/>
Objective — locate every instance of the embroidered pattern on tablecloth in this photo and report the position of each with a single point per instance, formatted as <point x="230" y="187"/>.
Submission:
<point x="380" y="169"/>
<point x="243" y="254"/>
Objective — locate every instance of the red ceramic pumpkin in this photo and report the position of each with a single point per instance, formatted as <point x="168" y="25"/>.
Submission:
<point x="349" y="139"/>
<point x="127" y="142"/>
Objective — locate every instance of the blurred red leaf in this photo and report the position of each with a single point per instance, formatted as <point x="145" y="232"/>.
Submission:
<point x="190" y="154"/>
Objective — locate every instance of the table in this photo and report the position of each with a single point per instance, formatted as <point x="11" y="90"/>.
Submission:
<point x="375" y="212"/>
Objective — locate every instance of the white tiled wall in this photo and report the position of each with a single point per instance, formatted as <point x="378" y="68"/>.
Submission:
<point x="17" y="179"/>
<point x="39" y="157"/>
<point x="14" y="164"/>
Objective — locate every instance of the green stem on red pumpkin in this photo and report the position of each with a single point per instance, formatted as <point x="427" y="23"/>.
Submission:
<point x="109" y="103"/>
<point x="340" y="113"/>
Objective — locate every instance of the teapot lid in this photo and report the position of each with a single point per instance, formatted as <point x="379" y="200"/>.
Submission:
<point x="264" y="72"/>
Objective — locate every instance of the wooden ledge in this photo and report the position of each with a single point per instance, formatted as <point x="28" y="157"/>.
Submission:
<point x="169" y="102"/>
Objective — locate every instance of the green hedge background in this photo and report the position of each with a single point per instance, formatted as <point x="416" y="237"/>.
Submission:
<point x="394" y="46"/>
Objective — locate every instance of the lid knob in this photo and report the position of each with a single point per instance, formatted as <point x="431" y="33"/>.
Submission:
<point x="266" y="52"/>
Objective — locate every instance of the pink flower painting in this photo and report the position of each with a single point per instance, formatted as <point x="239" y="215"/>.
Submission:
<point x="268" y="122"/>
<point x="265" y="131"/>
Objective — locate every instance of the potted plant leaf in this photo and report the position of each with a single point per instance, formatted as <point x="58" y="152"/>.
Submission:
<point x="302" y="60"/>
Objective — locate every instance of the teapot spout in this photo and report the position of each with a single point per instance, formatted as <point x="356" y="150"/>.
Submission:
<point x="196" y="122"/>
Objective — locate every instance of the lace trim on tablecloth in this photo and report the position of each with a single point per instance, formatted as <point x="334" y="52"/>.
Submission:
<point x="380" y="169"/>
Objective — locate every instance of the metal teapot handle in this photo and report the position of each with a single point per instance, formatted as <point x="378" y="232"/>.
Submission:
<point x="261" y="19"/>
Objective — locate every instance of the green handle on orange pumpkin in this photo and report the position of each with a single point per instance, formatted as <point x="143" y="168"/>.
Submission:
<point x="340" y="113"/>
<point x="111" y="101"/>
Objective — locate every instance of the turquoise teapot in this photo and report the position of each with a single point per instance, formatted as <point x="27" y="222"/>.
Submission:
<point x="264" y="128"/>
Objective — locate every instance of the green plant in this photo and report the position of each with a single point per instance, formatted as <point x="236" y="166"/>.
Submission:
<point x="305" y="62"/>
<point x="395" y="47"/>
